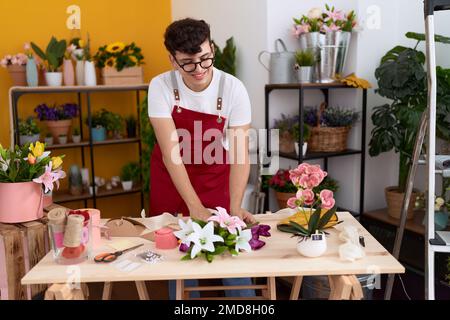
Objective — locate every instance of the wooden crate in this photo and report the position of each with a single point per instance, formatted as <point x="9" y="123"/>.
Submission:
<point x="21" y="247"/>
<point x="127" y="76"/>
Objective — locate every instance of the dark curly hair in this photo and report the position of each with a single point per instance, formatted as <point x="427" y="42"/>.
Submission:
<point x="186" y="36"/>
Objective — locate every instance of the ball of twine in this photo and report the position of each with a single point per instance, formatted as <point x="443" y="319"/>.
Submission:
<point x="73" y="231"/>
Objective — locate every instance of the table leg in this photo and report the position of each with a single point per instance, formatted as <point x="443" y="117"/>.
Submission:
<point x="296" y="285"/>
<point x="357" y="291"/>
<point x="142" y="290"/>
<point x="179" y="289"/>
<point x="271" y="283"/>
<point x="107" y="288"/>
<point x="341" y="287"/>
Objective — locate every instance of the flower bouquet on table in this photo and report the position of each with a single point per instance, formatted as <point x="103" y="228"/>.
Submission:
<point x="219" y="234"/>
<point x="315" y="211"/>
<point x="26" y="173"/>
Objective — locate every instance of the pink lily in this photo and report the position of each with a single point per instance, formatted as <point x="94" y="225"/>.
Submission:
<point x="49" y="177"/>
<point x="335" y="15"/>
<point x="232" y="223"/>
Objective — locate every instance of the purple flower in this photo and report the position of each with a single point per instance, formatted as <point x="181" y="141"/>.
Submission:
<point x="62" y="112"/>
<point x="257" y="231"/>
<point x="184" y="247"/>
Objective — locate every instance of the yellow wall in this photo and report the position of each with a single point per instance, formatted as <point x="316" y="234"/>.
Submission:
<point x="141" y="21"/>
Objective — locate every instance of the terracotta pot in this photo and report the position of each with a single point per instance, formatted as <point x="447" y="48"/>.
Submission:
<point x="21" y="202"/>
<point x="286" y="142"/>
<point x="59" y="127"/>
<point x="394" y="201"/>
<point x="18" y="75"/>
<point x="282" y="198"/>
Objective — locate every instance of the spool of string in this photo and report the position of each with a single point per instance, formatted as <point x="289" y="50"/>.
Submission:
<point x="57" y="219"/>
<point x="73" y="231"/>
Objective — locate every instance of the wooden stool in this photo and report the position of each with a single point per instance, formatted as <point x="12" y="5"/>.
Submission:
<point x="140" y="286"/>
<point x="65" y="292"/>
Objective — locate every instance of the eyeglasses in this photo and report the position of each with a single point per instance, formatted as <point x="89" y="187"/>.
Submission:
<point x="191" y="66"/>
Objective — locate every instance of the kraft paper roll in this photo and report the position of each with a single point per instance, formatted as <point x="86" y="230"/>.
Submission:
<point x="73" y="231"/>
<point x="57" y="218"/>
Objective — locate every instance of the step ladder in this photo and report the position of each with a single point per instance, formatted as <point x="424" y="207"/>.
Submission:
<point x="427" y="129"/>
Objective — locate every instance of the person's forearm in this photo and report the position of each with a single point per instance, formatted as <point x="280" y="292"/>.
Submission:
<point x="238" y="182"/>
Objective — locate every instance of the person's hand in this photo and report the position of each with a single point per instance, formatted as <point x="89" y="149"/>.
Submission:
<point x="199" y="213"/>
<point x="244" y="215"/>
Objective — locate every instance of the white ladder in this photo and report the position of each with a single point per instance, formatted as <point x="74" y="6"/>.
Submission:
<point x="428" y="126"/>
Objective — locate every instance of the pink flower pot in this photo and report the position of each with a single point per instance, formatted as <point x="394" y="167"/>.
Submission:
<point x="165" y="239"/>
<point x="21" y="202"/>
<point x="59" y="127"/>
<point x="68" y="73"/>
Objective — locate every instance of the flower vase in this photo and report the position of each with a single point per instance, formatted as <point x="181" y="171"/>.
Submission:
<point x="21" y="202"/>
<point x="69" y="75"/>
<point x="90" y="78"/>
<point x="79" y="71"/>
<point x="313" y="246"/>
<point x="32" y="73"/>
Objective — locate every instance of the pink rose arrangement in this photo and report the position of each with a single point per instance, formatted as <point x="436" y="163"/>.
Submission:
<point x="221" y="233"/>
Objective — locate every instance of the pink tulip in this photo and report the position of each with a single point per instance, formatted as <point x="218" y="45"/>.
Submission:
<point x="326" y="196"/>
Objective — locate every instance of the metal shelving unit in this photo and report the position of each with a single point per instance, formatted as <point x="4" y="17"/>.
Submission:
<point x="302" y="88"/>
<point x="63" y="196"/>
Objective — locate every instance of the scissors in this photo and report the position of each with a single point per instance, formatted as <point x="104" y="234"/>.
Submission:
<point x="112" y="256"/>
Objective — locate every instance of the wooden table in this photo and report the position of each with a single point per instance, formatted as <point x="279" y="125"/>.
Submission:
<point x="277" y="258"/>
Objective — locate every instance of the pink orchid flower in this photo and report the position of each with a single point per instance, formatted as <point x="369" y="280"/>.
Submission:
<point x="49" y="177"/>
<point x="301" y="197"/>
<point x="232" y="223"/>
<point x="326" y="196"/>
<point x="334" y="16"/>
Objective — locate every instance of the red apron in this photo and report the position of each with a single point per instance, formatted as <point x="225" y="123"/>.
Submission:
<point x="209" y="180"/>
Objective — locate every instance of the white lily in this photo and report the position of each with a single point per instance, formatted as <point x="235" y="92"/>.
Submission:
<point x="4" y="164"/>
<point x="242" y="240"/>
<point x="185" y="232"/>
<point x="203" y="238"/>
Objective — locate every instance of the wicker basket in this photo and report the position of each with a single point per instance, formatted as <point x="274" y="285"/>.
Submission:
<point x="287" y="144"/>
<point x="328" y="139"/>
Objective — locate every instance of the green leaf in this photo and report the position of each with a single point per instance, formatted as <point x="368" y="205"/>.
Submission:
<point x="421" y="37"/>
<point x="326" y="218"/>
<point x="220" y="250"/>
<point x="233" y="251"/>
<point x="314" y="221"/>
<point x="38" y="51"/>
<point x="186" y="257"/>
<point x="298" y="227"/>
<point x="209" y="257"/>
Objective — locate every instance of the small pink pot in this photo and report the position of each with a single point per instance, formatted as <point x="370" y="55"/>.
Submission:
<point x="165" y="239"/>
<point x="94" y="215"/>
<point x="21" y="202"/>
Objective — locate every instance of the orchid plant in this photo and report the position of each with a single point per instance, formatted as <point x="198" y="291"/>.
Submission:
<point x="316" y="209"/>
<point x="31" y="163"/>
<point x="328" y="20"/>
<point x="219" y="234"/>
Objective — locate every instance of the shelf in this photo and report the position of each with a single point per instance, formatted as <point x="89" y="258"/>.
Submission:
<point x="98" y="143"/>
<point x="86" y="89"/>
<point x="290" y="86"/>
<point x="414" y="225"/>
<point x="441" y="249"/>
<point x="65" y="196"/>
<point x="319" y="155"/>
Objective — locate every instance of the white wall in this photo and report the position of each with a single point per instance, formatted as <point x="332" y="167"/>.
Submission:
<point x="256" y="24"/>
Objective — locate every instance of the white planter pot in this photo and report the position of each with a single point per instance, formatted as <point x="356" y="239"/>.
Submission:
<point x="49" y="141"/>
<point x="304" y="74"/>
<point x="90" y="78"/>
<point x="79" y="72"/>
<point x="91" y="190"/>
<point x="54" y="79"/>
<point x="62" y="140"/>
<point x="304" y="149"/>
<point x="76" y="139"/>
<point x="312" y="247"/>
<point x="127" y="185"/>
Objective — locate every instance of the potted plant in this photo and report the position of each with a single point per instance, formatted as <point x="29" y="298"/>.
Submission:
<point x="120" y="63"/>
<point x="130" y="174"/>
<point x="53" y="60"/>
<point x="316" y="211"/>
<point x="29" y="131"/>
<point x="98" y="125"/>
<point x="90" y="76"/>
<point x="396" y="123"/>
<point x="68" y="70"/>
<point x="306" y="136"/>
<point x="225" y="59"/>
<point x="58" y="119"/>
<point x="330" y="127"/>
<point x="62" y="139"/>
<point x="76" y="136"/>
<point x="114" y="124"/>
<point x="304" y="62"/>
<point x="26" y="173"/>
<point x="286" y="127"/>
<point x="48" y="139"/>
<point x="16" y="65"/>
<point x="131" y="126"/>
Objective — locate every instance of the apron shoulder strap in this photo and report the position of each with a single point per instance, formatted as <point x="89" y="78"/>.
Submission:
<point x="221" y="89"/>
<point x="176" y="93"/>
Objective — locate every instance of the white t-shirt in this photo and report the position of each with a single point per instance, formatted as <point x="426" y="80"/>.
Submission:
<point x="236" y="106"/>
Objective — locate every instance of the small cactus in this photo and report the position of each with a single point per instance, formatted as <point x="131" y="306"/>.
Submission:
<point x="75" y="181"/>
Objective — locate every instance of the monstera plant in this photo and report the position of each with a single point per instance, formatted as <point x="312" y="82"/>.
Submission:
<point x="402" y="78"/>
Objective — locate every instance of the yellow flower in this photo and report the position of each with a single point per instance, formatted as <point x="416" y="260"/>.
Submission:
<point x="81" y="43"/>
<point x="134" y="59"/>
<point x="37" y="149"/>
<point x="56" y="162"/>
<point x="111" y="62"/>
<point x="115" y="47"/>
<point x="31" y="159"/>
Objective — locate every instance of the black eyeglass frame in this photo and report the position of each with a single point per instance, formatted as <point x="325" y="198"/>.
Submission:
<point x="182" y="66"/>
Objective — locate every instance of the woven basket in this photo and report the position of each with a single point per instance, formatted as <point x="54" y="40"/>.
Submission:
<point x="287" y="144"/>
<point x="328" y="139"/>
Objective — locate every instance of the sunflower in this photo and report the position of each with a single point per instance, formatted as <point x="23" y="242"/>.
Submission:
<point x="115" y="47"/>
<point x="111" y="62"/>
<point x="134" y="59"/>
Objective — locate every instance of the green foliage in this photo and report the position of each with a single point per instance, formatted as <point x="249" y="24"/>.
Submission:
<point x="119" y="55"/>
<point x="54" y="54"/>
<point x="130" y="172"/>
<point x="296" y="132"/>
<point x="148" y="139"/>
<point x="76" y="131"/>
<point x="305" y="58"/>
<point x="28" y="127"/>
<point x="109" y="120"/>
<point x="225" y="60"/>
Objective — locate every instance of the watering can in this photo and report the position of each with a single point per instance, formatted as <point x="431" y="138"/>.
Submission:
<point x="281" y="64"/>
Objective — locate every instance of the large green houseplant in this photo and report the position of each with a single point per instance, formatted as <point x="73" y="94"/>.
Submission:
<point x="402" y="78"/>
<point x="225" y="59"/>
